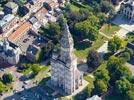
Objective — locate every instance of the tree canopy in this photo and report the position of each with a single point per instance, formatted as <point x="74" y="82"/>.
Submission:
<point x="94" y="59"/>
<point x="122" y="86"/>
<point x="7" y="78"/>
<point x="85" y="30"/>
<point x="115" y="44"/>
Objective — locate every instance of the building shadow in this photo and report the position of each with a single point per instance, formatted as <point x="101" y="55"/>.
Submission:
<point x="34" y="93"/>
<point x="121" y="20"/>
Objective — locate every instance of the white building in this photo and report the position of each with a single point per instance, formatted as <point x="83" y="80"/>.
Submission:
<point x="64" y="72"/>
<point x="127" y="9"/>
<point x="8" y="23"/>
<point x="9" y="52"/>
<point x="95" y="97"/>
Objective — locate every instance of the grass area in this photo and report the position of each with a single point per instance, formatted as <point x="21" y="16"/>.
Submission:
<point x="27" y="71"/>
<point x="88" y="78"/>
<point x="42" y="74"/>
<point x="82" y="54"/>
<point x="109" y="29"/>
<point x="74" y="8"/>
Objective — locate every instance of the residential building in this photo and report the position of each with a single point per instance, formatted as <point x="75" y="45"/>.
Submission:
<point x="34" y="5"/>
<point x="16" y="35"/>
<point x="11" y="8"/>
<point x="32" y="53"/>
<point x="64" y="73"/>
<point x="9" y="52"/>
<point x="50" y="4"/>
<point x="36" y="24"/>
<point x="35" y="48"/>
<point x="7" y="23"/>
<point x="40" y="15"/>
<point x="127" y="9"/>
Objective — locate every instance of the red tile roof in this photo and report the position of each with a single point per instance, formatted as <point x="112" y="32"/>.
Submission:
<point x="19" y="32"/>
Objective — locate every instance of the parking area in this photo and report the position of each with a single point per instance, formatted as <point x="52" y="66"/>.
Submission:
<point x="26" y="40"/>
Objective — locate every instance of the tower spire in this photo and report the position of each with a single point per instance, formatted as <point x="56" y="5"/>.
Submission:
<point x="67" y="45"/>
<point x="66" y="39"/>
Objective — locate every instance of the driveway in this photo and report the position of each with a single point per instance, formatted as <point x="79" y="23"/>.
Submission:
<point x="103" y="49"/>
<point x="122" y="33"/>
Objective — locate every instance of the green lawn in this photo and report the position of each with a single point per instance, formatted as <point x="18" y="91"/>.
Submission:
<point x="88" y="78"/>
<point x="83" y="53"/>
<point x="42" y="74"/>
<point x="27" y="71"/>
<point x="109" y="29"/>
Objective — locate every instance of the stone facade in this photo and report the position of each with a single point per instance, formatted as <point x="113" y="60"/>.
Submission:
<point x="127" y="9"/>
<point x="9" y="52"/>
<point x="64" y="72"/>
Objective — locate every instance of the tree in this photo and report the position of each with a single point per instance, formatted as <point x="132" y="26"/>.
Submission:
<point x="93" y="59"/>
<point x="124" y="71"/>
<point x="53" y="31"/>
<point x="115" y="44"/>
<point x="35" y="68"/>
<point x="113" y="64"/>
<point x="21" y="2"/>
<point x="102" y="18"/>
<point x="7" y="78"/>
<point x="125" y="56"/>
<point x="102" y="74"/>
<point x="22" y="11"/>
<point x="117" y="70"/>
<point x="84" y="30"/>
<point x="122" y="86"/>
<point x="100" y="87"/>
<point x="1" y="87"/>
<point x="130" y="95"/>
<point x="130" y="51"/>
<point x="106" y="6"/>
<point x="94" y="21"/>
<point x="85" y="13"/>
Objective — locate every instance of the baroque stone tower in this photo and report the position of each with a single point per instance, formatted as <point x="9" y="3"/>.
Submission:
<point x="64" y="72"/>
